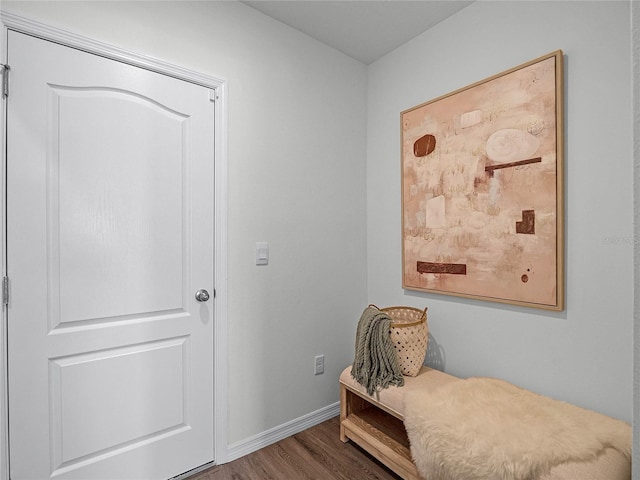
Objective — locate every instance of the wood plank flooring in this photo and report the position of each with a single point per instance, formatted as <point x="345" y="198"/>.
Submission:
<point x="314" y="454"/>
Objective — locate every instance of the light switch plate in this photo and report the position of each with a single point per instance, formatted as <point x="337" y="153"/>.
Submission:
<point x="262" y="253"/>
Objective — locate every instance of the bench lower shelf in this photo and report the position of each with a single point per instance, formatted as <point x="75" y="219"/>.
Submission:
<point x="377" y="431"/>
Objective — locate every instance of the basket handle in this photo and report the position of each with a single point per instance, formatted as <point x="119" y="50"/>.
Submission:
<point x="424" y="312"/>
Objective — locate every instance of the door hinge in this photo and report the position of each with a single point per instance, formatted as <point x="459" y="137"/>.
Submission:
<point x="213" y="95"/>
<point x="5" y="290"/>
<point x="5" y="80"/>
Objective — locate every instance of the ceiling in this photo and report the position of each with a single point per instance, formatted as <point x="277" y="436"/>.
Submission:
<point x="363" y="29"/>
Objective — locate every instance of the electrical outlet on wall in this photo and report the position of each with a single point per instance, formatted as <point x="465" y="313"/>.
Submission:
<point x="318" y="365"/>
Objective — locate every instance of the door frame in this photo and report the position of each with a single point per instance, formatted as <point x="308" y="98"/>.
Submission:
<point x="24" y="25"/>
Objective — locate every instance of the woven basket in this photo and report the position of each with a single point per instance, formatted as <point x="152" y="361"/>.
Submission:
<point x="410" y="336"/>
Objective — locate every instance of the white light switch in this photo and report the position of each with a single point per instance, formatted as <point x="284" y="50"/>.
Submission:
<point x="262" y="253"/>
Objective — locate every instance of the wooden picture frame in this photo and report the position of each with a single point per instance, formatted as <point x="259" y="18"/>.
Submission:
<point x="482" y="189"/>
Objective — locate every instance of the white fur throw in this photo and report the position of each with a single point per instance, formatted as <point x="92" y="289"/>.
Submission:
<point x="489" y="429"/>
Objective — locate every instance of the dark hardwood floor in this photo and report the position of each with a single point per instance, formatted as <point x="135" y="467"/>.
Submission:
<point x="314" y="454"/>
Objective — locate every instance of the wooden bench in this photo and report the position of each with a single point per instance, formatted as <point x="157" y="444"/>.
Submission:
<point x="375" y="423"/>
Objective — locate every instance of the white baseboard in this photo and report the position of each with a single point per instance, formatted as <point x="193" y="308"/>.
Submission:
<point x="273" y="435"/>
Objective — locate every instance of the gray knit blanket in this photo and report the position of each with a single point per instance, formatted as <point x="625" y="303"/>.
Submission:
<point x="375" y="365"/>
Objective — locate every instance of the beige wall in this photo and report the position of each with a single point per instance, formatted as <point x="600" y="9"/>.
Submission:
<point x="583" y="354"/>
<point x="296" y="161"/>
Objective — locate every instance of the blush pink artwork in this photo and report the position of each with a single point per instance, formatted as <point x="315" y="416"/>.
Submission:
<point x="482" y="189"/>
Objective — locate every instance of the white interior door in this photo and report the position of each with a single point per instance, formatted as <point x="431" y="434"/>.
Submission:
<point x="109" y="235"/>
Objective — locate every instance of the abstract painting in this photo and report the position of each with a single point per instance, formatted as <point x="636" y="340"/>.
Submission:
<point x="482" y="189"/>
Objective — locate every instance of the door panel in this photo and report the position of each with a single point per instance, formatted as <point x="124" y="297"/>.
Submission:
<point x="117" y="417"/>
<point x="134" y="237"/>
<point x="110" y="355"/>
